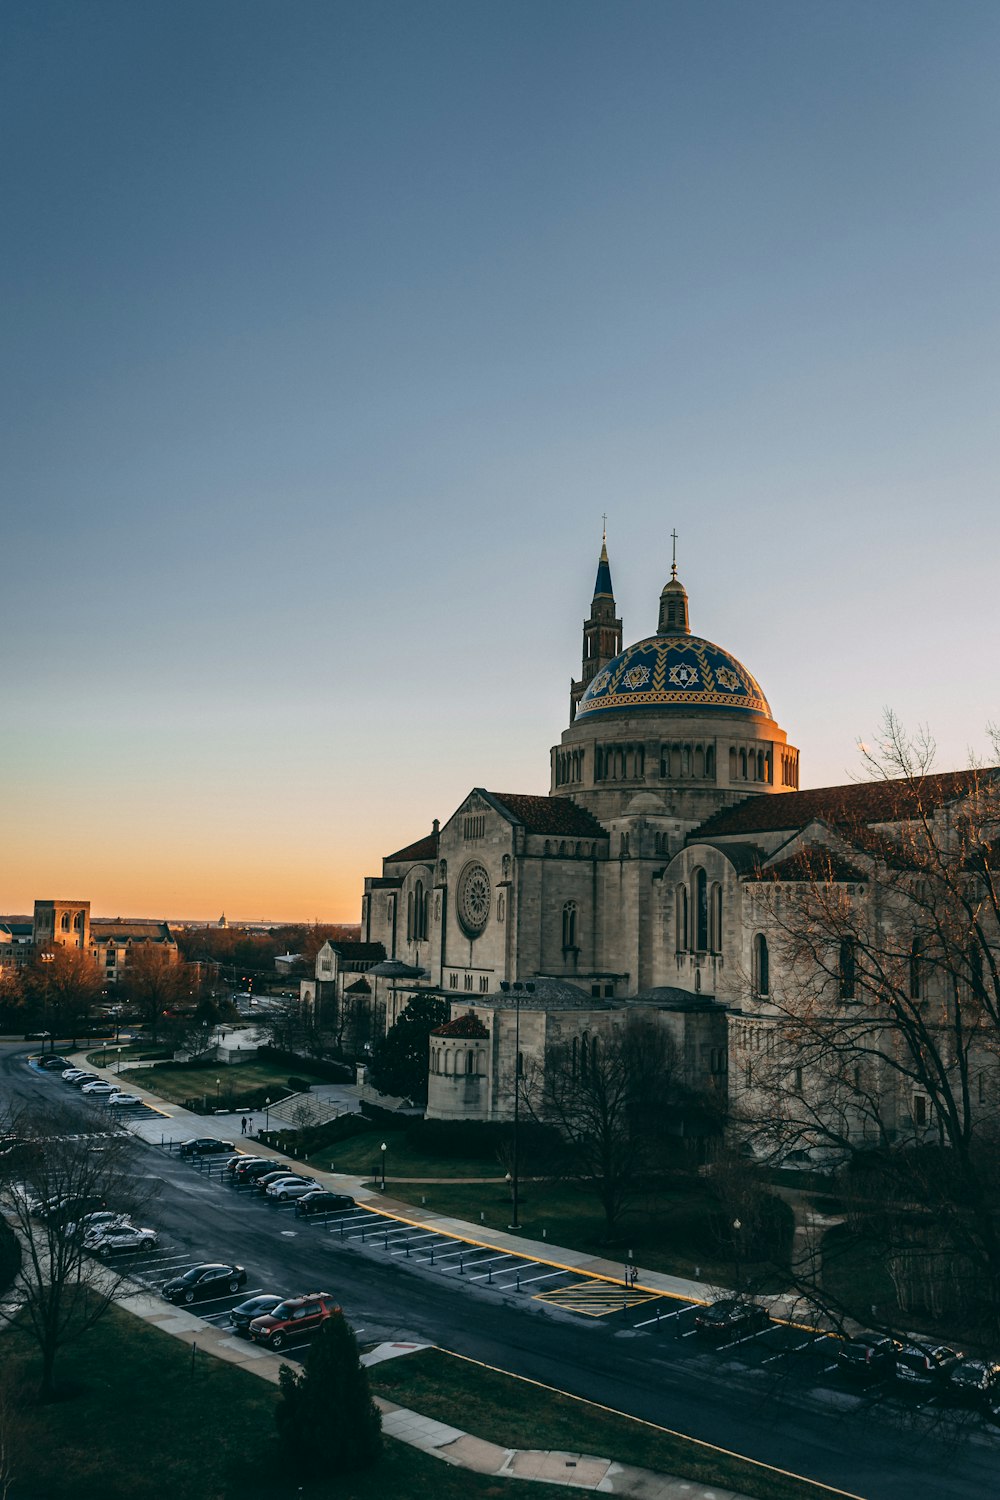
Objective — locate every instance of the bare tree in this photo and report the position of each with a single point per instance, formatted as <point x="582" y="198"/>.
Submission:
<point x="607" y="1095"/>
<point x="877" y="1031"/>
<point x="155" y="982"/>
<point x="60" y="986"/>
<point x="59" y="1173"/>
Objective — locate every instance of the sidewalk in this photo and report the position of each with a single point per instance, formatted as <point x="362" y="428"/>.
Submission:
<point x="174" y="1124"/>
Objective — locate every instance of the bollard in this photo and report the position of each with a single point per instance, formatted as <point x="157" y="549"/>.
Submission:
<point x="407" y="1249"/>
<point x="386" y="1244"/>
<point x="432" y="1255"/>
<point x="545" y="1234"/>
<point x="364" y="1228"/>
<point x="461" y="1265"/>
<point x="341" y="1229"/>
<point x="482" y="1217"/>
<point x="423" y="1202"/>
<point x="517" y="1288"/>
<point x="489" y="1278"/>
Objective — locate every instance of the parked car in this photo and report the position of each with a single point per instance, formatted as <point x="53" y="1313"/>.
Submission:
<point x="263" y="1182"/>
<point x="205" y="1145"/>
<point x="294" y="1319"/>
<point x="102" y="1218"/>
<point x="51" y="1061"/>
<point x="100" y="1087"/>
<point x="69" y="1210"/>
<point x="242" y="1158"/>
<point x="82" y="1078"/>
<point x="244" y="1313"/>
<point x="208" y="1279"/>
<point x="110" y="1239"/>
<point x="868" y="1356"/>
<point x="975" y="1382"/>
<point x="70" y="1073"/>
<point x="926" y="1364"/>
<point x="249" y="1171"/>
<point x="37" y="1036"/>
<point x="732" y="1317"/>
<point x="287" y="1188"/>
<point x="321" y="1202"/>
<point x="123" y="1099"/>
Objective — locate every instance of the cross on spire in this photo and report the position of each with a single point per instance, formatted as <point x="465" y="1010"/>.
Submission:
<point x="604" y="526"/>
<point x="673" y="565"/>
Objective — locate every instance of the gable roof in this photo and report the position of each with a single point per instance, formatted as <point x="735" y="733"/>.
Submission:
<point x="556" y="815"/>
<point x="858" y="802"/>
<point x="425" y="848"/>
<point x="813" y="863"/>
<point x="469" y="1025"/>
<point x="359" y="951"/>
<point x="137" y="931"/>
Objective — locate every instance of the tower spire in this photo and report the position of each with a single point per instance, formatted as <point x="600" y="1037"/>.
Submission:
<point x="602" y="632"/>
<point x="673" y="601"/>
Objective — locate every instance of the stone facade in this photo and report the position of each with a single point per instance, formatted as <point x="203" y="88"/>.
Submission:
<point x="631" y="885"/>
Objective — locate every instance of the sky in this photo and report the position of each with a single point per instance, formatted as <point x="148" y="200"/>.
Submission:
<point x="331" y="331"/>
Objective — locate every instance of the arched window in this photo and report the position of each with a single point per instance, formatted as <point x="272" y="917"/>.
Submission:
<point x="761" y="966"/>
<point x="409" y="917"/>
<point x="419" y="912"/>
<point x="847" y="968"/>
<point x="78" y="921"/>
<point x="64" y="924"/>
<point x="717" y="919"/>
<point x="681" y="903"/>
<point x="743" y="765"/>
<point x="584" y="1056"/>
<point x="569" y="925"/>
<point x="732" y="764"/>
<point x="710" y="761"/>
<point x="574" y="1057"/>
<point x="470" y="1062"/>
<point x="917" y="967"/>
<point x="760" y="765"/>
<point x="701" y="911"/>
<point x="447" y="1063"/>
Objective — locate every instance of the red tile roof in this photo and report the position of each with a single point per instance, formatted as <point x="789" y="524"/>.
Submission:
<point x="859" y="802"/>
<point x="557" y="815"/>
<point x="468" y="1025"/>
<point x="424" y="849"/>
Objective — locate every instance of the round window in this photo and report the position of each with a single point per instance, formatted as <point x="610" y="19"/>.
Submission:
<point x="474" y="893"/>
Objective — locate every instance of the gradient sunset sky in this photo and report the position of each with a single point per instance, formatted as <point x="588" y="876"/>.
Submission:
<point x="332" y="329"/>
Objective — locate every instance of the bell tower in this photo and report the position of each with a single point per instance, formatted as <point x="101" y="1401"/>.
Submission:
<point x="602" y="632"/>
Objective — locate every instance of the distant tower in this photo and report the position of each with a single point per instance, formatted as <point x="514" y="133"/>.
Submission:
<point x="602" y="633"/>
<point x="61" y="924"/>
<point x="222" y="921"/>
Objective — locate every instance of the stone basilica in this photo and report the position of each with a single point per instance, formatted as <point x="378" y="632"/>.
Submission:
<point x="629" y="888"/>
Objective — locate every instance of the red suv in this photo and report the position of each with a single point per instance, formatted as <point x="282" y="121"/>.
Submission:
<point x="294" y="1319"/>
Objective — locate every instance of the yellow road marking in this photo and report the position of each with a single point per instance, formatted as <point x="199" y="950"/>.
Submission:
<point x="596" y="1299"/>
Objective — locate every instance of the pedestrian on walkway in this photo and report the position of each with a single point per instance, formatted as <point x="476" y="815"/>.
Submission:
<point x="243" y="1124"/>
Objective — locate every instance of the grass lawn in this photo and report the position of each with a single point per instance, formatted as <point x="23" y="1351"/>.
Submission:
<point x="137" y="1425"/>
<point x="360" y="1153"/>
<point x="238" y="1082"/>
<point x="503" y="1409"/>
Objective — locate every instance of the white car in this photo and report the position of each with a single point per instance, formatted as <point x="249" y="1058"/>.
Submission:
<point x="104" y="1218"/>
<point x="70" y="1073"/>
<point x="290" y="1187"/>
<point x="100" y="1087"/>
<point x="123" y="1099"/>
<point x="112" y="1237"/>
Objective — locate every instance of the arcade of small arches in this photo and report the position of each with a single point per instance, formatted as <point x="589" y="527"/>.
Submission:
<point x="457" y="1061"/>
<point x="416" y="914"/>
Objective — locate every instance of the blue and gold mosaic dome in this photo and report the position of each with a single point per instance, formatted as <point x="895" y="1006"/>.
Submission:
<point x="673" y="671"/>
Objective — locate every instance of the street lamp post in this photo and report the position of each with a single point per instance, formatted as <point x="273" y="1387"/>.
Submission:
<point x="119" y="1067"/>
<point x="738" y="1247"/>
<point x="514" y="1157"/>
<point x="267" y="1115"/>
<point x="383" y="1150"/>
<point x="218" y="1086"/>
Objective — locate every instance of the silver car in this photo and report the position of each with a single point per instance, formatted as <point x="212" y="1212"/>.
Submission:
<point x="290" y="1187"/>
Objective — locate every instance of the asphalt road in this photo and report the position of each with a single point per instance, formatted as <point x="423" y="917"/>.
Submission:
<point x="749" y="1399"/>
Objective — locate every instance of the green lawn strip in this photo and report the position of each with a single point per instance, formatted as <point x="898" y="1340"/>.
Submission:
<point x="237" y="1083"/>
<point x="136" y="1424"/>
<point x="519" y="1414"/>
<point x="362" y="1154"/>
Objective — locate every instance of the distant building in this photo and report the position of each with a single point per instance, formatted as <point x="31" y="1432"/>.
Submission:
<point x="16" y="945"/>
<point x="110" y="943"/>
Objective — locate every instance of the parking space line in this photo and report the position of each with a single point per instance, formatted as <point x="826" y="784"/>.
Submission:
<point x="761" y="1333"/>
<point x="665" y="1317"/>
<point x="796" y="1348"/>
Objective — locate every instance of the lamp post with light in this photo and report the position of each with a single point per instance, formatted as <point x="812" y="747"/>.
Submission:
<point x="267" y="1116"/>
<point x="383" y="1149"/>
<point x="218" y="1086"/>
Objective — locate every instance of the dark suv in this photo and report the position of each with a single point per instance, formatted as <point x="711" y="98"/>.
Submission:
<point x="732" y="1318"/>
<point x="926" y="1365"/>
<point x="295" y="1318"/>
<point x="868" y="1356"/>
